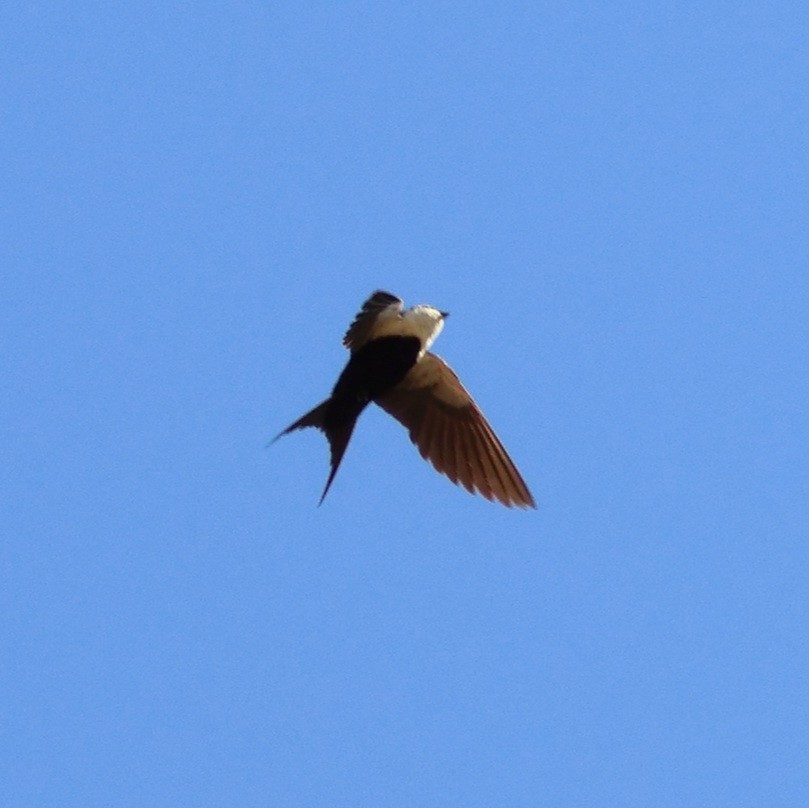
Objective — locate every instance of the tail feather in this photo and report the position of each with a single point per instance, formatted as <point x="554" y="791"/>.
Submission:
<point x="315" y="418"/>
<point x="338" y="436"/>
<point x="338" y="430"/>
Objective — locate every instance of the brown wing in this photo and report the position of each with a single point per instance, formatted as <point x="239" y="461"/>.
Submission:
<point x="360" y="330"/>
<point x="452" y="433"/>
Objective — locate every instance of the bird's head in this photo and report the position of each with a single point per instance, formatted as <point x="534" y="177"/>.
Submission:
<point x="426" y="323"/>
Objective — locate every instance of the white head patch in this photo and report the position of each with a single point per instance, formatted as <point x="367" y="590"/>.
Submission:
<point x="424" y="322"/>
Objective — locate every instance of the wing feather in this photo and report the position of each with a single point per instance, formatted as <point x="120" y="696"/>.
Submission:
<point x="496" y="489"/>
<point x="499" y="462"/>
<point x="466" y="460"/>
<point x="361" y="329"/>
<point x="442" y="458"/>
<point x="452" y="433"/>
<point x="431" y="443"/>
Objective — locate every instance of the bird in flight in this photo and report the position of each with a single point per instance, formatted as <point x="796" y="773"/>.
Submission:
<point x="391" y="365"/>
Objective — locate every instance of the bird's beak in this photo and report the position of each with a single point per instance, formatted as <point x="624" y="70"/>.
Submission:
<point x="444" y="314"/>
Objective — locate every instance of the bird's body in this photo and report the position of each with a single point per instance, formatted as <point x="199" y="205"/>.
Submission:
<point x="391" y="366"/>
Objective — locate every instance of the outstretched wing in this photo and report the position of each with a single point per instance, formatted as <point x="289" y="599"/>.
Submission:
<point x="452" y="433"/>
<point x="361" y="329"/>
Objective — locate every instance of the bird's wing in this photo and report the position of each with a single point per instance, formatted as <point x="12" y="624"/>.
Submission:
<point x="361" y="329"/>
<point x="452" y="433"/>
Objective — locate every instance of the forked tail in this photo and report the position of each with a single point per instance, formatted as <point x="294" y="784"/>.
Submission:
<point x="337" y="424"/>
<point x="315" y="418"/>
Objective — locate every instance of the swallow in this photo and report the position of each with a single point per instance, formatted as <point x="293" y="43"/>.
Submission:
<point x="391" y="366"/>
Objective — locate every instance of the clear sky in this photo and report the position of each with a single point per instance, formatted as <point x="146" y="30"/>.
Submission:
<point x="612" y="200"/>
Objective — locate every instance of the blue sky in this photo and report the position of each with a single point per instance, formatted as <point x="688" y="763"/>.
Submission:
<point x="611" y="199"/>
